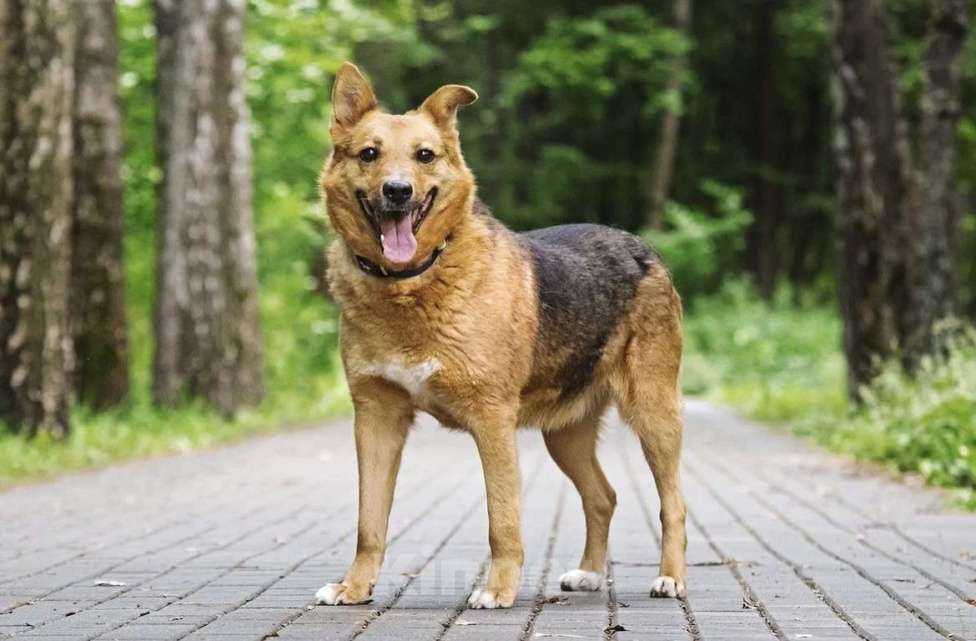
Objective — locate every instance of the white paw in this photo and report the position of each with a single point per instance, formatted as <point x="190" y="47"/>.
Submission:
<point x="581" y="581"/>
<point x="339" y="594"/>
<point x="483" y="599"/>
<point x="665" y="586"/>
<point x="329" y="594"/>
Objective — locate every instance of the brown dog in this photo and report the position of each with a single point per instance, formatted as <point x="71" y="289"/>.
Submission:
<point x="446" y="311"/>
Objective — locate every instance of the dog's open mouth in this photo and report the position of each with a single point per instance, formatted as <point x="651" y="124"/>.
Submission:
<point x="396" y="229"/>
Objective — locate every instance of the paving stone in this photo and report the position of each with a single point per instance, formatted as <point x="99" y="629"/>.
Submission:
<point x="785" y="541"/>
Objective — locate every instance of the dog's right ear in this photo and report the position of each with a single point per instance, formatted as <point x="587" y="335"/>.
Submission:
<point x="352" y="96"/>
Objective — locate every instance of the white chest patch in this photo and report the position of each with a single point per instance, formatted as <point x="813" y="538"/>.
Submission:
<point x="413" y="378"/>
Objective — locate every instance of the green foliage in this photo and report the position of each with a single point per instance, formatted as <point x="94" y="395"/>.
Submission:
<point x="776" y="360"/>
<point x="574" y="101"/>
<point x="590" y="59"/>
<point x="701" y="248"/>
<point x="924" y="423"/>
<point x="294" y="48"/>
<point x="781" y="361"/>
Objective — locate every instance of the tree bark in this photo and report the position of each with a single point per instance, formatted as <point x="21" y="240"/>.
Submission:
<point x="37" y="44"/>
<point x="662" y="168"/>
<point x="208" y="340"/>
<point x="97" y="283"/>
<point x="936" y="225"/>
<point x="763" y="246"/>
<point x="876" y="190"/>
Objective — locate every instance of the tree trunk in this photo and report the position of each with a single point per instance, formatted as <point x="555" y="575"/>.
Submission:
<point x="936" y="226"/>
<point x="97" y="282"/>
<point x="208" y="341"/>
<point x="876" y="190"/>
<point x="662" y="168"/>
<point x="763" y="245"/>
<point x="37" y="42"/>
<point x="807" y="242"/>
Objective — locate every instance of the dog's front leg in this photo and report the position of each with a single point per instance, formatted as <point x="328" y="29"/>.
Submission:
<point x="383" y="418"/>
<point x="499" y="459"/>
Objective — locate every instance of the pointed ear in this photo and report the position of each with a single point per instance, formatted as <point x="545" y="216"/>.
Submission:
<point x="352" y="96"/>
<point x="442" y="105"/>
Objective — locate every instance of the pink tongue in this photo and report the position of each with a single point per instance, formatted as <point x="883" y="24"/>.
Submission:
<point x="399" y="245"/>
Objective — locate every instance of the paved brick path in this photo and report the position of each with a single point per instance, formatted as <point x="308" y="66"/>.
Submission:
<point x="786" y="542"/>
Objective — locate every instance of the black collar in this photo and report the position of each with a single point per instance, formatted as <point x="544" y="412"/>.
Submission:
<point x="373" y="269"/>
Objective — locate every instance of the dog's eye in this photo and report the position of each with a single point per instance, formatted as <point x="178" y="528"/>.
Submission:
<point x="369" y="154"/>
<point x="425" y="155"/>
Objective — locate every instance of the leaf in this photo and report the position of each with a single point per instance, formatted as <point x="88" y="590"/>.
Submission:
<point x="109" y="584"/>
<point x="610" y="629"/>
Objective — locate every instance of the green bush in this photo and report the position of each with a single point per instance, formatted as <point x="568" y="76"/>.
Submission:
<point x="701" y="247"/>
<point x="776" y="360"/>
<point x="781" y="361"/>
<point x="924" y="423"/>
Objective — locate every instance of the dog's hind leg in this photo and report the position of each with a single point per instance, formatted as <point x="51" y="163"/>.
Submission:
<point x="660" y="436"/>
<point x="383" y="418"/>
<point x="573" y="448"/>
<point x="645" y="384"/>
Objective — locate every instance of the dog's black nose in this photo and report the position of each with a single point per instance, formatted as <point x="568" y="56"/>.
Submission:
<point x="397" y="191"/>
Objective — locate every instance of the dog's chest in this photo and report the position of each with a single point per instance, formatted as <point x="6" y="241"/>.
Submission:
<point x="414" y="378"/>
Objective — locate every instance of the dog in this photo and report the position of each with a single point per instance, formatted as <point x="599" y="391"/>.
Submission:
<point x="444" y="310"/>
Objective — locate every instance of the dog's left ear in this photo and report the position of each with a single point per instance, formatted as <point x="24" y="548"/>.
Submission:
<point x="442" y="105"/>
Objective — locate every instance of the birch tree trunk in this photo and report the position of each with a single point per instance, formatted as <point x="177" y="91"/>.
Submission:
<point x="876" y="190"/>
<point x="37" y="44"/>
<point x="208" y="341"/>
<point x="936" y="227"/>
<point x="662" y="168"/>
<point x="97" y="281"/>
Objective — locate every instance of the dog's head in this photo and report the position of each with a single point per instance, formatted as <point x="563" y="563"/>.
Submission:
<point x="395" y="185"/>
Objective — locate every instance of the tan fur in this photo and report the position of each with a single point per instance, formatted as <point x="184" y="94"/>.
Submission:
<point x="470" y="324"/>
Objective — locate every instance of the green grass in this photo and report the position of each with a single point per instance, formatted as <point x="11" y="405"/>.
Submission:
<point x="781" y="362"/>
<point x="924" y="424"/>
<point x="776" y="360"/>
<point x="141" y="431"/>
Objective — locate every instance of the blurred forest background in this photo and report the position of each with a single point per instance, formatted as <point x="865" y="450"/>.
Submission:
<point x="807" y="168"/>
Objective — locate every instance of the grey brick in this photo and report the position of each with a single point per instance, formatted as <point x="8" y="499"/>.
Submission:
<point x="231" y="544"/>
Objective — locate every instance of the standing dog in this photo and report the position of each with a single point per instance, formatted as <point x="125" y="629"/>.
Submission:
<point x="446" y="311"/>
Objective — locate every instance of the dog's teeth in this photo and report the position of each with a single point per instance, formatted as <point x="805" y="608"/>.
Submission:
<point x="382" y="238"/>
<point x="442" y="246"/>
